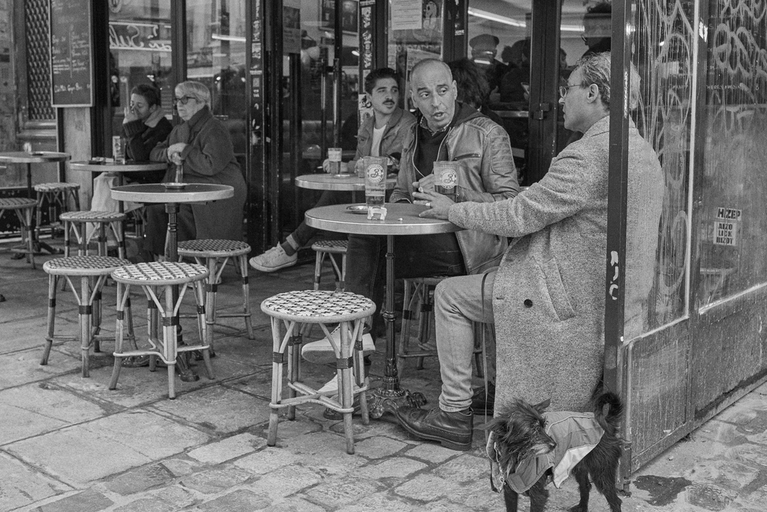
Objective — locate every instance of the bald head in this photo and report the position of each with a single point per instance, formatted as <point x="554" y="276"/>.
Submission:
<point x="434" y="92"/>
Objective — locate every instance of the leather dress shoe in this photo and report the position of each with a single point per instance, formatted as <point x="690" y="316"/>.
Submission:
<point x="483" y="402"/>
<point x="452" y="429"/>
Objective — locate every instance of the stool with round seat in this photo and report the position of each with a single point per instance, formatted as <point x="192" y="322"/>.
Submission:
<point x="418" y="301"/>
<point x="209" y="252"/>
<point x="158" y="280"/>
<point x="23" y="207"/>
<point x="295" y="311"/>
<point x="57" y="195"/>
<point x="77" y="223"/>
<point x="92" y="272"/>
<point x="326" y="249"/>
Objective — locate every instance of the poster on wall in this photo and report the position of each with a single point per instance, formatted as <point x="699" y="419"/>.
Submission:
<point x="291" y="26"/>
<point x="405" y="15"/>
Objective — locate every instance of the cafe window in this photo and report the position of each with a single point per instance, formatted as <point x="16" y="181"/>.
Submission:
<point x="139" y="53"/>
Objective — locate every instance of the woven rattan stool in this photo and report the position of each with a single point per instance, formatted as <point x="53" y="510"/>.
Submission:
<point x="76" y="222"/>
<point x="57" y="195"/>
<point x="158" y="279"/>
<point x="23" y="208"/>
<point x="418" y="301"/>
<point x="209" y="252"/>
<point x="325" y="249"/>
<point x="92" y="272"/>
<point x="295" y="311"/>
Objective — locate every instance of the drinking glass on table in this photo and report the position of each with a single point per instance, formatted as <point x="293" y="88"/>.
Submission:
<point x="445" y="178"/>
<point x="375" y="185"/>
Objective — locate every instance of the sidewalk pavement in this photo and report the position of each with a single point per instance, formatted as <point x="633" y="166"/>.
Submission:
<point x="70" y="444"/>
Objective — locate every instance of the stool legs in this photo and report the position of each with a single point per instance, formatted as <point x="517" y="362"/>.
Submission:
<point x="349" y="362"/>
<point x="52" y="283"/>
<point x="243" y="264"/>
<point x="161" y="310"/>
<point x="278" y="365"/>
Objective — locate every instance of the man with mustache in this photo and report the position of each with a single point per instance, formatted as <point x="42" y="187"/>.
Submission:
<point x="447" y="130"/>
<point x="380" y="135"/>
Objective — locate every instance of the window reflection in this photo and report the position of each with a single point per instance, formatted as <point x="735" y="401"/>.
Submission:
<point x="216" y="57"/>
<point x="139" y="53"/>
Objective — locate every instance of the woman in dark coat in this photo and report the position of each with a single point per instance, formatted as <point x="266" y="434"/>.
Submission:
<point x="201" y="144"/>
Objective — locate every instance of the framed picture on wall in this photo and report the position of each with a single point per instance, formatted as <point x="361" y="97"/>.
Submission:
<point x="348" y="15"/>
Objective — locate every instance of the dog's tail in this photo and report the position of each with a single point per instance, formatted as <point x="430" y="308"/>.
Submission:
<point x="608" y="411"/>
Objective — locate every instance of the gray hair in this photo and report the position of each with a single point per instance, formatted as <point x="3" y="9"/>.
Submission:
<point x="197" y="90"/>
<point x="595" y="69"/>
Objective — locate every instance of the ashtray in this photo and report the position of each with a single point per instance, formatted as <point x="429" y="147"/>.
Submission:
<point x="343" y="175"/>
<point x="361" y="209"/>
<point x="174" y="186"/>
<point x="38" y="153"/>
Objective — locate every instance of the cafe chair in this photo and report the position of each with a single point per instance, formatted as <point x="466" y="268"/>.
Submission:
<point x="290" y="314"/>
<point x="325" y="249"/>
<point x="211" y="252"/>
<point x="23" y="207"/>
<point x="56" y="197"/>
<point x="418" y="303"/>
<point x="92" y="272"/>
<point x="157" y="280"/>
<point x="77" y="223"/>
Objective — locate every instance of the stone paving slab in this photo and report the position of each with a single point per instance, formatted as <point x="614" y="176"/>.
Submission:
<point x="90" y="451"/>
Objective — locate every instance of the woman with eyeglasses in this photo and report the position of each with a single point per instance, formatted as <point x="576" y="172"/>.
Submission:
<point x="202" y="145"/>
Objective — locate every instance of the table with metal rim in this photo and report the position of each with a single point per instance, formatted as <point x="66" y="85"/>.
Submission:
<point x="36" y="157"/>
<point x="337" y="182"/>
<point x="172" y="197"/>
<point x="401" y="220"/>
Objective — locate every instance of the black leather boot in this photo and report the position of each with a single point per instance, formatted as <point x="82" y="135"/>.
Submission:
<point x="452" y="429"/>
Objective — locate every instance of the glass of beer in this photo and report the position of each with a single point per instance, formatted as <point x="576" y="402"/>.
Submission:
<point x="446" y="178"/>
<point x="334" y="160"/>
<point x="375" y="180"/>
<point x="118" y="149"/>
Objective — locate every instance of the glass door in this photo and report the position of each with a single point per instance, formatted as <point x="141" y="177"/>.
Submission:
<point x="215" y="56"/>
<point x="527" y="49"/>
<point x="320" y="89"/>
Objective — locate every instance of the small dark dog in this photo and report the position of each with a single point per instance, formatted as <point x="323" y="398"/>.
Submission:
<point x="525" y="447"/>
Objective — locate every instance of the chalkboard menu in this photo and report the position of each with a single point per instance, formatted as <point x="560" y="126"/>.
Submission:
<point x="71" y="53"/>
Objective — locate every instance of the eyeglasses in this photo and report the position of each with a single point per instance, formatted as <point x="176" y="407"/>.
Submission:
<point x="184" y="99"/>
<point x="564" y="88"/>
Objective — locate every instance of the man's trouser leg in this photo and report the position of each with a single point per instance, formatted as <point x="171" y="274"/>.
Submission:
<point x="458" y="302"/>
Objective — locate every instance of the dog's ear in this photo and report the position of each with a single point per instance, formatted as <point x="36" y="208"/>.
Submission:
<point x="541" y="407"/>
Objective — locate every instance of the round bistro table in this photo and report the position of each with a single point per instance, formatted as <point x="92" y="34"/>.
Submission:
<point x="37" y="157"/>
<point x="338" y="182"/>
<point x="172" y="197"/>
<point x="401" y="220"/>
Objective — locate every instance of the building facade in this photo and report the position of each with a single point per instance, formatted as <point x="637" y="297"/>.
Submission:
<point x="286" y="79"/>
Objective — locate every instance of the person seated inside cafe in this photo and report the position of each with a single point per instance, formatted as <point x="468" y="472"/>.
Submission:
<point x="447" y="130"/>
<point x="380" y="135"/>
<point x="143" y="127"/>
<point x="202" y="147"/>
<point x="547" y="297"/>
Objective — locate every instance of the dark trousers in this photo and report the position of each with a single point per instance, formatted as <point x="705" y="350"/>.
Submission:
<point x="414" y="256"/>
<point x="303" y="233"/>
